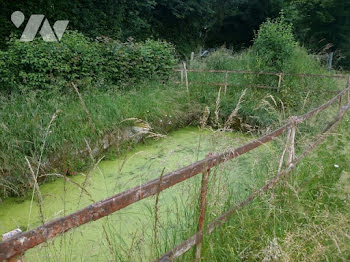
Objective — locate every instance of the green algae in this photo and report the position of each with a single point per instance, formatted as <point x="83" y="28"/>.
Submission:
<point x="128" y="234"/>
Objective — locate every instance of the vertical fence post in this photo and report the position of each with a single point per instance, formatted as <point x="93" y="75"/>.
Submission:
<point x="182" y="76"/>
<point x="340" y="102"/>
<point x="8" y="236"/>
<point x="156" y="210"/>
<point x="226" y="81"/>
<point x="186" y="78"/>
<point x="348" y="86"/>
<point x="202" y="210"/>
<point x="291" y="147"/>
<point x="280" y="77"/>
<point x="330" y="60"/>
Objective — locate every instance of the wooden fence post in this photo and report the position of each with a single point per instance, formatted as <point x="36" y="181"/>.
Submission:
<point x="156" y="210"/>
<point x="182" y="76"/>
<point x="202" y="210"/>
<point x="291" y="147"/>
<point x="280" y="77"/>
<point x="10" y="235"/>
<point x="330" y="61"/>
<point x="348" y="86"/>
<point x="186" y="78"/>
<point x="226" y="81"/>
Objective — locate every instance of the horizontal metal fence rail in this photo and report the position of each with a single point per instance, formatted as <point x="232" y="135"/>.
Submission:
<point x="229" y="84"/>
<point x="184" y="73"/>
<point x="194" y="240"/>
<point x="263" y="73"/>
<point x="24" y="241"/>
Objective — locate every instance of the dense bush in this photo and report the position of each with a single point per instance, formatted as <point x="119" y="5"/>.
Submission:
<point x="131" y="61"/>
<point x="221" y="59"/>
<point x="274" y="45"/>
<point x="43" y="65"/>
<point x="275" y="50"/>
<point x="40" y="65"/>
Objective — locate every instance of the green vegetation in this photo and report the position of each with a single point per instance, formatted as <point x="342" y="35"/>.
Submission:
<point x="114" y="86"/>
<point x="51" y="127"/>
<point x="274" y="45"/>
<point x="322" y="26"/>
<point x="274" y="50"/>
<point x="43" y="65"/>
<point x="25" y="119"/>
<point x="305" y="219"/>
<point x="194" y="23"/>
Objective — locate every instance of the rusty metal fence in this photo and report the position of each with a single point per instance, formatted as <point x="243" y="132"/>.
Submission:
<point x="279" y="77"/>
<point x="17" y="245"/>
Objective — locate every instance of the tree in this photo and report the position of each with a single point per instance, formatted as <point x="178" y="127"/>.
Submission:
<point x="320" y="23"/>
<point x="236" y="21"/>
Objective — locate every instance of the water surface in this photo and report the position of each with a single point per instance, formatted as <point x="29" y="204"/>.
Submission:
<point x="129" y="231"/>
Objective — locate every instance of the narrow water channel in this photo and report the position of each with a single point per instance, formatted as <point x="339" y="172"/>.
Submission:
<point x="127" y="234"/>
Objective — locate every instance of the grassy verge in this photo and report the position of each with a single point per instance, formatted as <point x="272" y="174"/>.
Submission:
<point x="304" y="219"/>
<point x="262" y="231"/>
<point x="307" y="220"/>
<point x="62" y="148"/>
<point x="59" y="145"/>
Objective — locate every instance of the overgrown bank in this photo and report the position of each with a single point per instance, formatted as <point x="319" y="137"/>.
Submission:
<point x="306" y="218"/>
<point x="119" y="81"/>
<point x="263" y="231"/>
<point x="60" y="145"/>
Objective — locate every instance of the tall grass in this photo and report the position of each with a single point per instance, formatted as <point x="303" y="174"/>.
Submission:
<point x="164" y="106"/>
<point x="24" y="119"/>
<point x="307" y="220"/>
<point x="261" y="231"/>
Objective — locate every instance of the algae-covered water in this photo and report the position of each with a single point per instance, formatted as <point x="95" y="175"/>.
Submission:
<point x="129" y="233"/>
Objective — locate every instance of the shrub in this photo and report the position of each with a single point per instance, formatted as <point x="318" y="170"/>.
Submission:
<point x="40" y="65"/>
<point x="221" y="59"/>
<point x="274" y="45"/>
<point x="276" y="50"/>
<point x="132" y="61"/>
<point x="43" y="65"/>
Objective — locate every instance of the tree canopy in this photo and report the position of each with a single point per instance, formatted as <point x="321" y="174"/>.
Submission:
<point x="192" y="23"/>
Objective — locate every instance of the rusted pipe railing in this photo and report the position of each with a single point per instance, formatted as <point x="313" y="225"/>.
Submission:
<point x="32" y="238"/>
<point x="192" y="241"/>
<point x="9" y="235"/>
<point x="264" y="73"/>
<point x="24" y="241"/>
<point x="226" y="84"/>
<point x="228" y="71"/>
